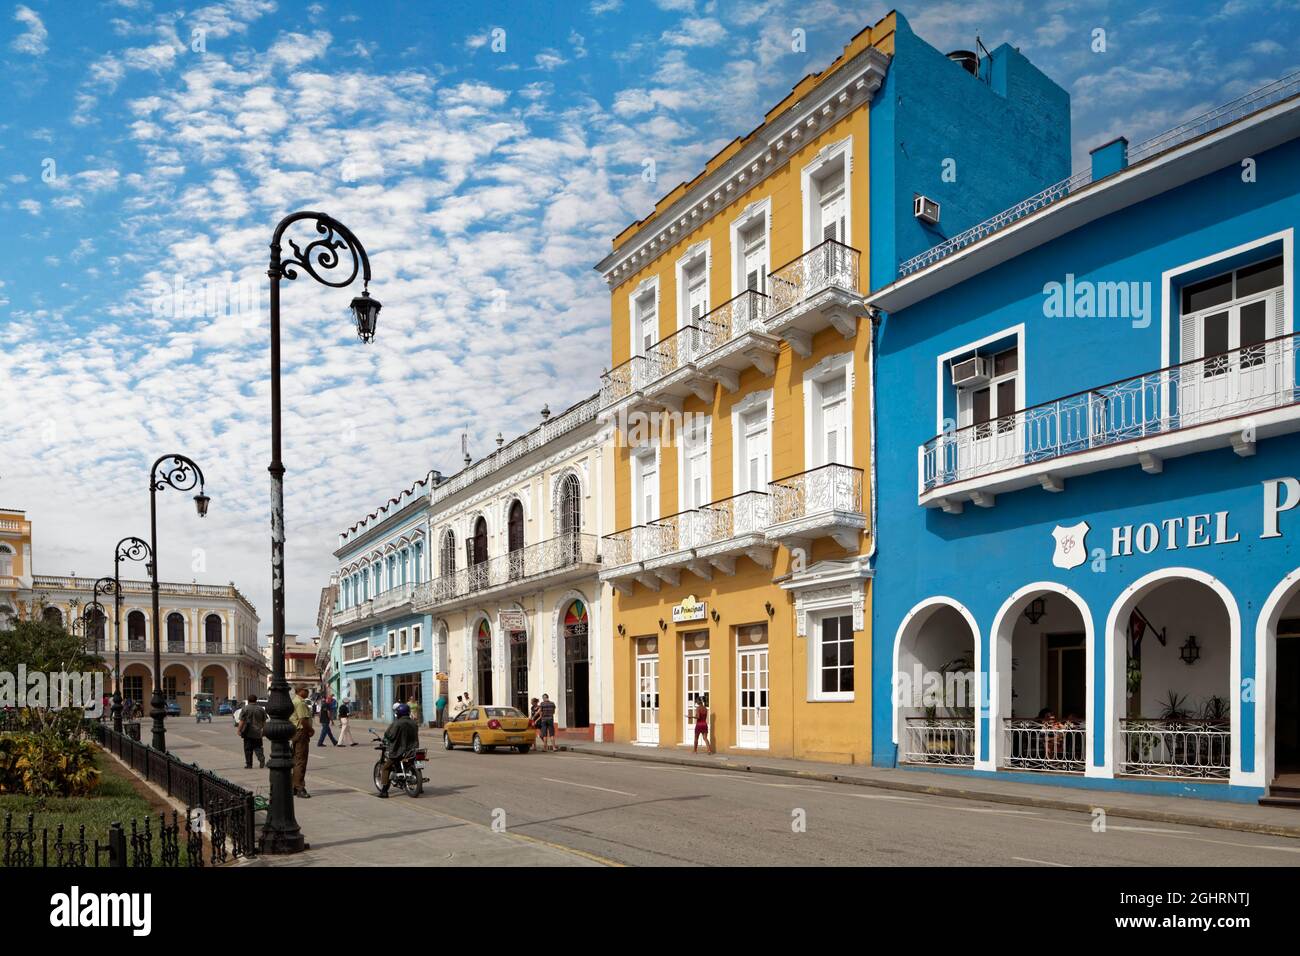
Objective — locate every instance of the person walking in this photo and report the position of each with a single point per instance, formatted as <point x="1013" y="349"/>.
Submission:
<point x="701" y="726"/>
<point x="326" y="718"/>
<point x="417" y="713"/>
<point x="533" y="714"/>
<point x="440" y="709"/>
<point x="251" y="726"/>
<point x="302" y="730"/>
<point x="546" y="722"/>
<point x="345" y="732"/>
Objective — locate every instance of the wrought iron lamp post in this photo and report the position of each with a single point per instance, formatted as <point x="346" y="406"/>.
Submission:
<point x="104" y="586"/>
<point x="182" y="474"/>
<point x="128" y="549"/>
<point x="321" y="260"/>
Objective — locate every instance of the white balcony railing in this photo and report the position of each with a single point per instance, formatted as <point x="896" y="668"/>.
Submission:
<point x="736" y="317"/>
<point x="740" y="515"/>
<point x="940" y="740"/>
<point x="563" y="553"/>
<point x="393" y="597"/>
<point x="1176" y="748"/>
<point x="1242" y="381"/>
<point x="827" y="490"/>
<point x="623" y="381"/>
<point x="830" y="265"/>
<point x="720" y="527"/>
<point x="673" y="352"/>
<point x="1044" y="745"/>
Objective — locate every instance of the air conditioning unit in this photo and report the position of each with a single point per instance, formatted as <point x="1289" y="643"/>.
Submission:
<point x="925" y="209"/>
<point x="971" y="371"/>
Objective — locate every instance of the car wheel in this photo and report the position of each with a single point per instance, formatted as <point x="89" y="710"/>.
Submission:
<point x="523" y="748"/>
<point x="446" y="741"/>
<point x="477" y="745"/>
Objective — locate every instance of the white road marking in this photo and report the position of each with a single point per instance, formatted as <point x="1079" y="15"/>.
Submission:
<point x="587" y="786"/>
<point x="1025" y="859"/>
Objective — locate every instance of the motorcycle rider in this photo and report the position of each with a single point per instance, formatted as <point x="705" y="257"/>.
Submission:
<point x="401" y="740"/>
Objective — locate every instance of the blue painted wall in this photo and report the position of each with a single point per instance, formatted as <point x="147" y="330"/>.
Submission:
<point x="980" y="557"/>
<point x="383" y="669"/>
<point x="1007" y="133"/>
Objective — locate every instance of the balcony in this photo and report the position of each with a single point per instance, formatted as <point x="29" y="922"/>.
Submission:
<point x="136" y="645"/>
<point x="734" y="338"/>
<point x="819" y="503"/>
<point x="1201" y="749"/>
<point x="700" y="540"/>
<point x="213" y="647"/>
<point x="562" y="558"/>
<point x="175" y="647"/>
<point x="350" y="615"/>
<point x="1044" y="745"/>
<point x="818" y="290"/>
<point x="1168" y="413"/>
<point x="670" y="368"/>
<point x="621" y="388"/>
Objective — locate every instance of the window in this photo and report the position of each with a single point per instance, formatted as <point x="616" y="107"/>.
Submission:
<point x="751" y="259"/>
<point x="828" y="412"/>
<point x="832" y="207"/>
<point x="417" y="570"/>
<point x="6" y="561"/>
<point x="751" y="443"/>
<point x="754" y="258"/>
<point x="834" y="422"/>
<point x="695" y="466"/>
<point x="417" y="640"/>
<point x="392" y="643"/>
<point x="447" y="559"/>
<point x="645" y="506"/>
<point x="175" y="632"/>
<point x="994" y="401"/>
<point x="1233" y="313"/>
<point x="570" y="518"/>
<point x="825" y="183"/>
<point x="693" y="286"/>
<point x="212" y="630"/>
<point x="402" y="647"/>
<point x="645" y="320"/>
<point x="831" y="657"/>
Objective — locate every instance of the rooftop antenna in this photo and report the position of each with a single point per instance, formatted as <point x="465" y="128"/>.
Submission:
<point x="464" y="446"/>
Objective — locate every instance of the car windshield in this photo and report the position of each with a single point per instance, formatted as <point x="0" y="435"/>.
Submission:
<point x="502" y="712"/>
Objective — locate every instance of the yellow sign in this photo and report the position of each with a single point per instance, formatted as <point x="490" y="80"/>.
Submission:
<point x="690" y="610"/>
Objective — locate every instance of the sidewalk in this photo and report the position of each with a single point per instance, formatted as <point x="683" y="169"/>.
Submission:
<point x="1188" y="811"/>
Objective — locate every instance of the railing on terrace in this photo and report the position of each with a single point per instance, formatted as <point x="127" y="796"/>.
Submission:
<point x="1044" y="745"/>
<point x="827" y="489"/>
<point x="940" y="740"/>
<point x="393" y="597"/>
<point x="622" y="547"/>
<point x="1176" y="748"/>
<point x="70" y="583"/>
<point x="672" y="352"/>
<point x="212" y="647"/>
<point x="174" y="647"/>
<point x="743" y="514"/>
<point x="1215" y="119"/>
<point x="1249" y="379"/>
<point x="622" y="380"/>
<point x="556" y="554"/>
<point x="136" y="645"/>
<point x="830" y="265"/>
<point x="746" y="312"/>
<point x="9" y="583"/>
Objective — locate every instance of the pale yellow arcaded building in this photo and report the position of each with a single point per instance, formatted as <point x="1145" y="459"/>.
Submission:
<point x="740" y="392"/>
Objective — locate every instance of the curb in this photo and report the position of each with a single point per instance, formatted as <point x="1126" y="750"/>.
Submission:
<point x="961" y="793"/>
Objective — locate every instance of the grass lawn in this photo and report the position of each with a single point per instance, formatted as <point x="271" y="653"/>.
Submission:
<point x="118" y="798"/>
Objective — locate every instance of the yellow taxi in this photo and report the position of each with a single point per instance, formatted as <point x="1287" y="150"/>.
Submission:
<point x="485" y="727"/>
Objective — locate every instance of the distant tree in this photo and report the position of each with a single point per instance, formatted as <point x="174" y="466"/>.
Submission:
<point x="44" y="647"/>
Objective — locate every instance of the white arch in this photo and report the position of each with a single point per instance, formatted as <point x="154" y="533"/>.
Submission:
<point x="1270" y="614"/>
<point x="1000" y="666"/>
<point x="1115" y="672"/>
<point x="910" y="626"/>
<point x="557" y="635"/>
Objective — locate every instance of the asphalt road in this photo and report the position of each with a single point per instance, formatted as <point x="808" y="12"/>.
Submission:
<point x="625" y="812"/>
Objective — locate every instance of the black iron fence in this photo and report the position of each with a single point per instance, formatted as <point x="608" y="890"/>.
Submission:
<point x="135" y="844"/>
<point x="227" y="808"/>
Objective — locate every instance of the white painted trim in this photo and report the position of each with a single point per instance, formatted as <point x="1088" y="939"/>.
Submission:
<point x="824" y="371"/>
<point x="931" y="604"/>
<point x="817" y="610"/>
<point x="739" y="409"/>
<point x="1270" y="615"/>
<point x="683" y="447"/>
<point x="647" y="284"/>
<point x="702" y="249"/>
<point x="1000" y="697"/>
<point x="1287" y="236"/>
<point x="1115" y="672"/>
<point x="1017" y="330"/>
<point x="830" y="153"/>
<point x="761" y="207"/>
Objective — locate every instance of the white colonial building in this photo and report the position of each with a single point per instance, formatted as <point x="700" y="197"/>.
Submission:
<point x="514" y="597"/>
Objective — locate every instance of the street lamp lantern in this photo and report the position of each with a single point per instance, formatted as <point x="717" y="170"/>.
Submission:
<point x="201" y="502"/>
<point x="366" y="311"/>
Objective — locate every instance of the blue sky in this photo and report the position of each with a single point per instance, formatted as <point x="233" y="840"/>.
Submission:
<point x="484" y="153"/>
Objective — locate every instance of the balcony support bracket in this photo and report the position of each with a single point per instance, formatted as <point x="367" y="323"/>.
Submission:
<point x="701" y="569"/>
<point x="1151" y="464"/>
<point x="799" y="340"/>
<point x="1051" y="483"/>
<point x="951" y="506"/>
<point x="982" y="499"/>
<point x="1243" y="443"/>
<point x="725" y="564"/>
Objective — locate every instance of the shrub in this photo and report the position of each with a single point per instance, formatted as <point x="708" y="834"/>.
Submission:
<point x="47" y="757"/>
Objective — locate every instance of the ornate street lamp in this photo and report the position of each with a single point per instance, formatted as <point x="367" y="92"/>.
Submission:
<point x="321" y="260"/>
<point x="128" y="549"/>
<point x="104" y="586"/>
<point x="182" y="474"/>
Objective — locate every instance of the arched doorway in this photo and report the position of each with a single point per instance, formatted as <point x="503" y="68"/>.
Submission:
<point x="478" y="550"/>
<point x="175" y="633"/>
<point x="577" y="683"/>
<point x="1173" y="637"/>
<point x="212" y="634"/>
<point x="137" y="689"/>
<point x="483" y="661"/>
<point x="1274" y="758"/>
<point x="1038" y="684"/>
<point x="135" y="632"/>
<point x="215" y="681"/>
<point x="517" y="641"/>
<point x="515" y="541"/>
<point x="176" y="687"/>
<point x="934" y="685"/>
<point x="52" y="616"/>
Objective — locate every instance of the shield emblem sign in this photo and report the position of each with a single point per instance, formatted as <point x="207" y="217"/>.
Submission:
<point x="1071" y="545"/>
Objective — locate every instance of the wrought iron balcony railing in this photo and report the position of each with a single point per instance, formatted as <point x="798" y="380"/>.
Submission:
<point x="1254" y="378"/>
<point x="744" y="514"/>
<point x="672" y="353"/>
<point x="213" y="647"/>
<point x="393" y="597"/>
<point x="1043" y="745"/>
<point x="622" y="380"/>
<point x="828" y="489"/>
<point x="940" y="740"/>
<point x="830" y="265"/>
<point x="745" y="313"/>
<point x="565" y="552"/>
<point x="175" y="647"/>
<point x="136" y="645"/>
<point x="1177" y="748"/>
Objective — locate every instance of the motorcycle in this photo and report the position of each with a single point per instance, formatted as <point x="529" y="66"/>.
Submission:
<point x="407" y="776"/>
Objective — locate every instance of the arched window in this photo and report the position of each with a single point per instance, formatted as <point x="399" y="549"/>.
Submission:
<point x="175" y="633"/>
<point x="97" y="628"/>
<point x="515" y="539"/>
<point x="212" y="633"/>
<point x="135" y="628"/>
<point x="447" y="559"/>
<point x="570" y="517"/>
<point x="52" y="615"/>
<point x="477" y="547"/>
<point x="6" y="560"/>
<point x="417" y="567"/>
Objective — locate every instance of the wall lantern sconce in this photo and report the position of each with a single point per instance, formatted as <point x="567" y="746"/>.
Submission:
<point x="767" y="606"/>
<point x="713" y="613"/>
<point x="622" y="630"/>
<point x="1190" y="651"/>
<point x="663" y="625"/>
<point x="1037" y="608"/>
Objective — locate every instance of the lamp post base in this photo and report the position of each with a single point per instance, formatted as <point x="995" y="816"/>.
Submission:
<point x="117" y="712"/>
<point x="158" y="711"/>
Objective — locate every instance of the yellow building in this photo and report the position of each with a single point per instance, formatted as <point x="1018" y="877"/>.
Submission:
<point x="740" y="393"/>
<point x="15" y="562"/>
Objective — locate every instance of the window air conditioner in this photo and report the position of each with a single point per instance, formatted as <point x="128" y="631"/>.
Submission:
<point x="971" y="371"/>
<point x="926" y="210"/>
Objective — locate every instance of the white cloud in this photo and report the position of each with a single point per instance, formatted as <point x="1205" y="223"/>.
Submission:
<point x="32" y="40"/>
<point x="696" y="31"/>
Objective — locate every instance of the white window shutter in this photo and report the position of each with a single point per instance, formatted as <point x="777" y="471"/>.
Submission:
<point x="1189" y="347"/>
<point x="1278" y="326"/>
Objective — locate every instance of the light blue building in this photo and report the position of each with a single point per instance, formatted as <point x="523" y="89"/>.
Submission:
<point x="1088" y="463"/>
<point x="385" y="646"/>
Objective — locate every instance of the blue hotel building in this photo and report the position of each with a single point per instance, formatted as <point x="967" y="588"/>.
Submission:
<point x="1088" y="435"/>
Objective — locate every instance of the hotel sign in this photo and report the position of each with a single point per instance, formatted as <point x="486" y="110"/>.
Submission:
<point x="690" y="610"/>
<point x="512" y="620"/>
